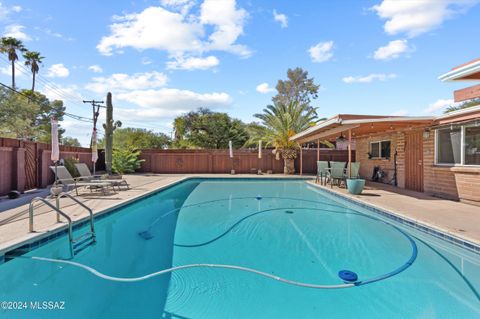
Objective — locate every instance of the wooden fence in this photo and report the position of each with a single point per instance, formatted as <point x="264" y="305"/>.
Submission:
<point x="25" y="165"/>
<point x="219" y="161"/>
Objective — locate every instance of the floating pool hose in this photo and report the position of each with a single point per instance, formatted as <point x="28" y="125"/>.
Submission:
<point x="349" y="277"/>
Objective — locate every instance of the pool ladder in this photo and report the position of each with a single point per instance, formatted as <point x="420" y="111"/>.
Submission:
<point x="75" y="244"/>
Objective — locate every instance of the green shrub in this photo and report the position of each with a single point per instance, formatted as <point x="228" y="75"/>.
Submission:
<point x="126" y="160"/>
<point x="69" y="164"/>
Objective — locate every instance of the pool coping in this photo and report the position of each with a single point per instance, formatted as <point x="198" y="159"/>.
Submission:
<point x="34" y="240"/>
<point x="415" y="224"/>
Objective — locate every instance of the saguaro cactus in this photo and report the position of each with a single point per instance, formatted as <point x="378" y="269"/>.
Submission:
<point x="109" y="127"/>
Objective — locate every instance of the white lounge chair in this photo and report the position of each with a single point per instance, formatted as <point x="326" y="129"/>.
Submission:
<point x="65" y="178"/>
<point x="86" y="175"/>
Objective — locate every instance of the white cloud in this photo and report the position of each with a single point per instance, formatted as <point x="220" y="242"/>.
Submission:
<point x="440" y="104"/>
<point x="321" y="52"/>
<point x="416" y="17"/>
<point x="95" y="68"/>
<point x="125" y="82"/>
<point x="401" y="112"/>
<point x="193" y="63"/>
<point x="281" y="18"/>
<point x="182" y="34"/>
<point x="58" y="70"/>
<point x="183" y="6"/>
<point x="7" y="70"/>
<point x="264" y="88"/>
<point x="153" y="28"/>
<point x="168" y="103"/>
<point x="392" y="50"/>
<point x="369" y="78"/>
<point x="228" y="22"/>
<point x="16" y="31"/>
<point x="5" y="11"/>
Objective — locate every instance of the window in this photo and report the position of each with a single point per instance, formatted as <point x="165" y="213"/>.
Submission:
<point x="380" y="149"/>
<point x="458" y="145"/>
<point x="472" y="145"/>
<point x="448" y="146"/>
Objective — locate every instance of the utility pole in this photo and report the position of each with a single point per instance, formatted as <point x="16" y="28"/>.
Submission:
<point x="96" y="113"/>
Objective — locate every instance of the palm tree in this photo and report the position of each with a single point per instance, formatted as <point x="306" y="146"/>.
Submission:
<point x="33" y="59"/>
<point x="10" y="46"/>
<point x="282" y="122"/>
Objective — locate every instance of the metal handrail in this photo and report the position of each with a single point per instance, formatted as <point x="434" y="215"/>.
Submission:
<point x="92" y="228"/>
<point x="43" y="200"/>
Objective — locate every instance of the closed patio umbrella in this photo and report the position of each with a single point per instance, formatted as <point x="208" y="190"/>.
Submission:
<point x="260" y="149"/>
<point x="55" y="156"/>
<point x="94" y="150"/>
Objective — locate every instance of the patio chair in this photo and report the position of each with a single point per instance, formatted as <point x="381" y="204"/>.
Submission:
<point x="337" y="173"/>
<point x="322" y="171"/>
<point x="65" y="178"/>
<point x="86" y="175"/>
<point x="355" y="170"/>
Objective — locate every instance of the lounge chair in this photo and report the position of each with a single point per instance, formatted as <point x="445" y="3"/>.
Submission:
<point x="86" y="175"/>
<point x="322" y="171"/>
<point x="65" y="178"/>
<point x="355" y="170"/>
<point x="337" y="173"/>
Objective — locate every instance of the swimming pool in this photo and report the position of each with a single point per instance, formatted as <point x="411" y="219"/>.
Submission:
<point x="267" y="230"/>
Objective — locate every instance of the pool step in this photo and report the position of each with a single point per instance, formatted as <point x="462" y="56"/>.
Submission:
<point x="82" y="242"/>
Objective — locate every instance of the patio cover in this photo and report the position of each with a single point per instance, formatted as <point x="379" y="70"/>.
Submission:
<point x="359" y="125"/>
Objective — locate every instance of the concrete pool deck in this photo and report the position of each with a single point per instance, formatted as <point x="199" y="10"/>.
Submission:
<point x="455" y="218"/>
<point x="461" y="220"/>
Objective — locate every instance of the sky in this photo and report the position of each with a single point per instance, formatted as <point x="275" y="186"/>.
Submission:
<point x="167" y="57"/>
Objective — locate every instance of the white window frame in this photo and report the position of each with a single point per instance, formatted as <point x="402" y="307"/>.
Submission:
<point x="379" y="148"/>
<point x="462" y="148"/>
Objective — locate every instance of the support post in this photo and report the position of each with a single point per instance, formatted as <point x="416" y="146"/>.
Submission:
<point x="301" y="159"/>
<point x="349" y="153"/>
<point x="318" y="150"/>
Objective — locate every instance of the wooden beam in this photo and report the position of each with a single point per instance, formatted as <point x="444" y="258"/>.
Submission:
<point x="318" y="150"/>
<point x="301" y="159"/>
<point x="334" y="131"/>
<point x="349" y="153"/>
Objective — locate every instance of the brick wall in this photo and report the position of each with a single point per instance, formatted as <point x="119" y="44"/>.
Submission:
<point x="366" y="167"/>
<point x="458" y="183"/>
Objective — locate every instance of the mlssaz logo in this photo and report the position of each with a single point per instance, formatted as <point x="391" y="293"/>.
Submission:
<point x="47" y="305"/>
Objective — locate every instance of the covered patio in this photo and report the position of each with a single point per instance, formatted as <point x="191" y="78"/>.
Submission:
<point x="353" y="129"/>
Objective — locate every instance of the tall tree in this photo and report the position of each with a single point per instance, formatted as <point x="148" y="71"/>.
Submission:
<point x="33" y="59"/>
<point x="207" y="129"/>
<point x="10" y="46"/>
<point x="70" y="141"/>
<point x="137" y="138"/>
<point x="23" y="116"/>
<point x="46" y="110"/>
<point x="17" y="115"/>
<point x="282" y="122"/>
<point x="298" y="88"/>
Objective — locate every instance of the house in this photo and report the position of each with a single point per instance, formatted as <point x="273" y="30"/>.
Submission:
<point x="438" y="155"/>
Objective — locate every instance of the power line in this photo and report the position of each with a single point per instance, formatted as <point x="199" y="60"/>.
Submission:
<point x="46" y="83"/>
<point x="32" y="98"/>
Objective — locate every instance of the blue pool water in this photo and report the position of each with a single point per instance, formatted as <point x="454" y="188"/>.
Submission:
<point x="288" y="229"/>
